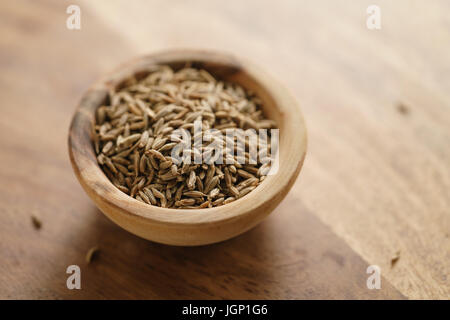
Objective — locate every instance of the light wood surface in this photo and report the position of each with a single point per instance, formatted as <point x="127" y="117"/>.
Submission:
<point x="376" y="179"/>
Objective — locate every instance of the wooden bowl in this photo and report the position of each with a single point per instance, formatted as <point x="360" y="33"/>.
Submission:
<point x="193" y="226"/>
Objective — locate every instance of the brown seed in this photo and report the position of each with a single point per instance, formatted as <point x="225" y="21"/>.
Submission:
<point x="228" y="200"/>
<point x="193" y="194"/>
<point x="144" y="197"/>
<point x="191" y="181"/>
<point x="205" y="204"/>
<point x="149" y="143"/>
<point x="395" y="259"/>
<point x="101" y="114"/>
<point x="218" y="201"/>
<point x="179" y="193"/>
<point x="142" y="163"/>
<point x="129" y="140"/>
<point x="37" y="223"/>
<point x="156" y="154"/>
<point x="158" y="143"/>
<point x="136" y="163"/>
<point x="214" y="193"/>
<point x="123" y="188"/>
<point x="120" y="160"/>
<point x="122" y="169"/>
<point x="150" y="196"/>
<point x="185" y="202"/>
<point x="157" y="193"/>
<point x="234" y="191"/>
<point x="212" y="183"/>
<point x="108" y="146"/>
<point x="134" y="138"/>
<point x="168" y="176"/>
<point x="92" y="254"/>
<point x="248" y="182"/>
<point x="245" y="174"/>
<point x="245" y="191"/>
<point x="144" y="139"/>
<point x="153" y="163"/>
<point x="199" y="184"/>
<point x="165" y="164"/>
<point x="101" y="159"/>
<point x="110" y="165"/>
<point x="209" y="175"/>
<point x="227" y="177"/>
<point x="168" y="194"/>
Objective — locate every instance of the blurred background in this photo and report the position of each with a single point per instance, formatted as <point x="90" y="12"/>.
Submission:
<point x="374" y="189"/>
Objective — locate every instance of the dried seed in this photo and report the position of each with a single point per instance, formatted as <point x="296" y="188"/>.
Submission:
<point x="128" y="140"/>
<point x="245" y="191"/>
<point x="168" y="176"/>
<point x="245" y="174"/>
<point x="142" y="163"/>
<point x="110" y="165"/>
<point x="165" y="164"/>
<point x="214" y="193"/>
<point x="157" y="193"/>
<point x="122" y="169"/>
<point x="248" y="182"/>
<point x="144" y="139"/>
<point x="123" y="188"/>
<point x="101" y="159"/>
<point x="191" y="181"/>
<point x="150" y="195"/>
<point x="144" y="197"/>
<point x="120" y="160"/>
<point x="234" y="191"/>
<point x="153" y="163"/>
<point x="149" y="143"/>
<point x="158" y="143"/>
<point x="212" y="183"/>
<point x="168" y="194"/>
<point x="101" y="114"/>
<point x="134" y="138"/>
<point x="205" y="204"/>
<point x="108" y="146"/>
<point x="37" y="223"/>
<point x="178" y="194"/>
<point x="199" y="184"/>
<point x="167" y="146"/>
<point x="185" y="202"/>
<point x="228" y="200"/>
<point x="92" y="254"/>
<point x="194" y="194"/>
<point x="136" y="163"/>
<point x="218" y="201"/>
<point x="156" y="154"/>
<point x="227" y="177"/>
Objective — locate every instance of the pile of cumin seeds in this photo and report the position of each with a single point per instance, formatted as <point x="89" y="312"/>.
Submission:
<point x="133" y="141"/>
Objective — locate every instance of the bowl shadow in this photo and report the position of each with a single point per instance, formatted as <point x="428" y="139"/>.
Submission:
<point x="290" y="255"/>
<point x="128" y="267"/>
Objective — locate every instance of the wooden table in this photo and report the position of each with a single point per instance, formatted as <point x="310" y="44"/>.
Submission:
<point x="376" y="180"/>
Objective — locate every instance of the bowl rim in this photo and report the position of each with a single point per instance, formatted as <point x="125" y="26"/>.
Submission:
<point x="106" y="195"/>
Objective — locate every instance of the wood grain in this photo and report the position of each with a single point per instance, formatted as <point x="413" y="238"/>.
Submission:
<point x="375" y="181"/>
